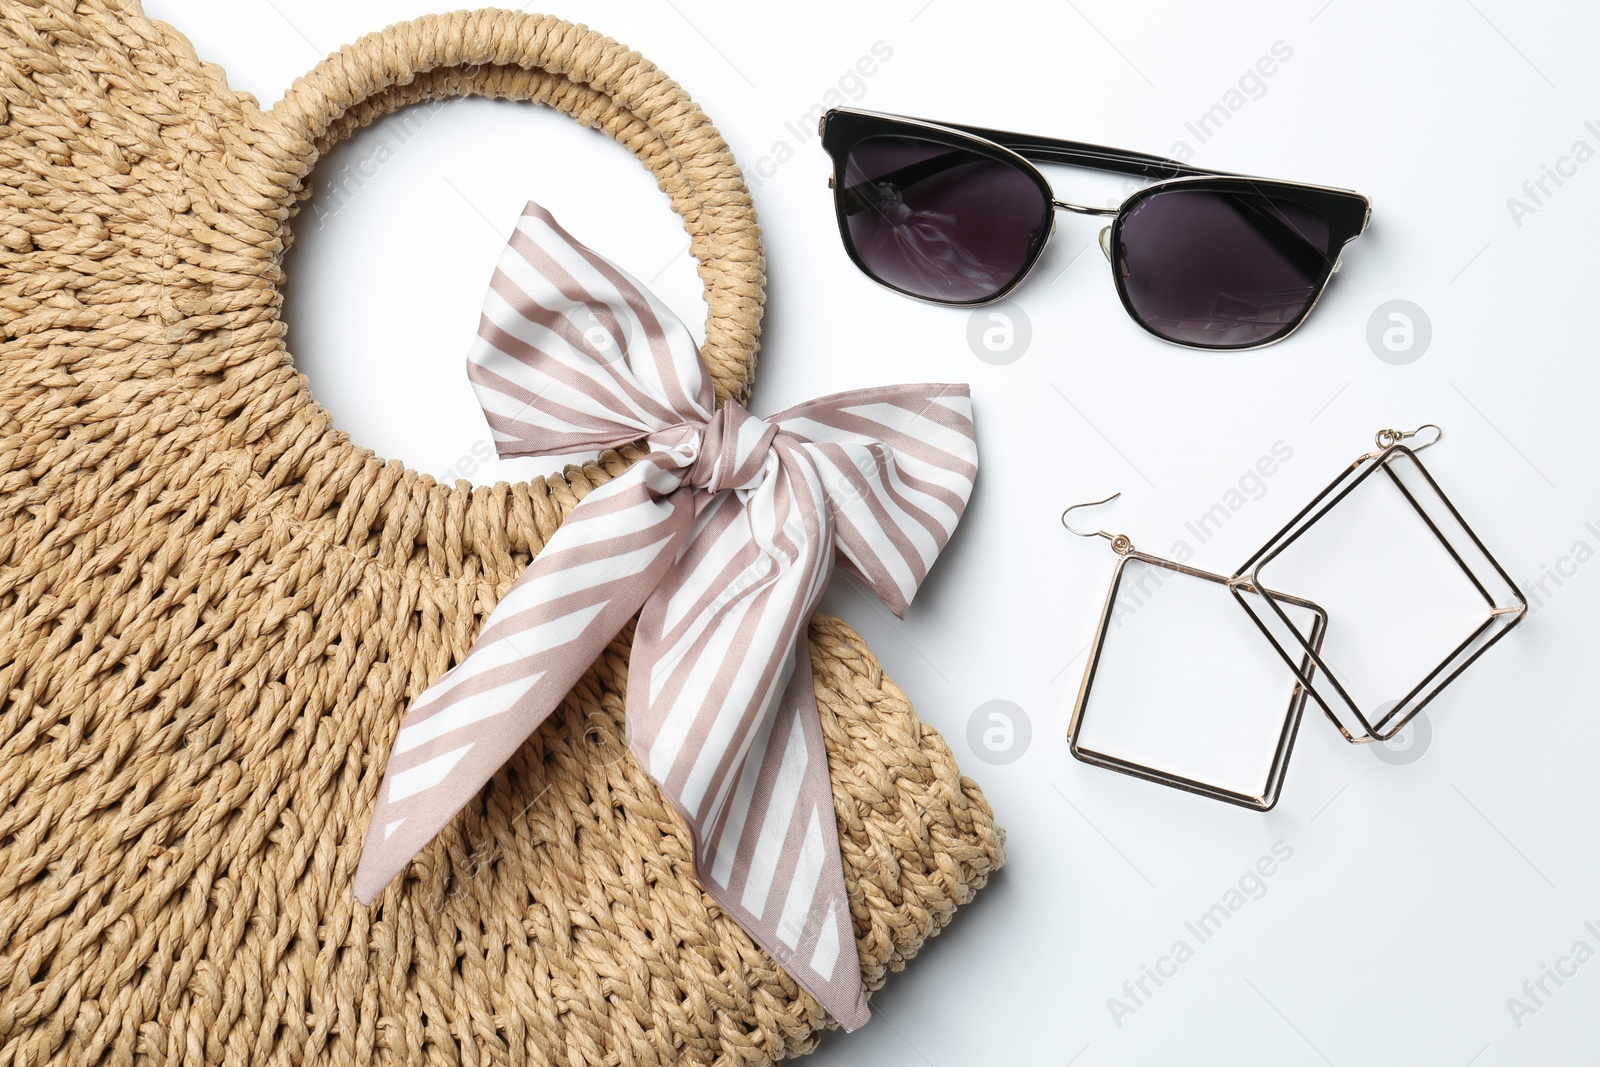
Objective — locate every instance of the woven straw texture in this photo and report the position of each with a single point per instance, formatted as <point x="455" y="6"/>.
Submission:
<point x="214" y="610"/>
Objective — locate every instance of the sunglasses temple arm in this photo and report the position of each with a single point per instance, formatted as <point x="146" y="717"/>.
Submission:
<point x="1287" y="240"/>
<point x="855" y="200"/>
<point x="1293" y="244"/>
<point x="1076" y="154"/>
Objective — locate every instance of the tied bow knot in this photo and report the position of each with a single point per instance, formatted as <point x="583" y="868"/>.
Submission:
<point x="721" y="541"/>
<point x="730" y="450"/>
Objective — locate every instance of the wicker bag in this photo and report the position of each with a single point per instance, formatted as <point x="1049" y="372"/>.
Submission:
<point x="214" y="610"/>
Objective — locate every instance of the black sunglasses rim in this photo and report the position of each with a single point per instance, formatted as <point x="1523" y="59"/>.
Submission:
<point x="1344" y="226"/>
<point x="1346" y="211"/>
<point x="914" y="129"/>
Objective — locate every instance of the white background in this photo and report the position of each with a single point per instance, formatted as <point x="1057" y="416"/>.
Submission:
<point x="1419" y="897"/>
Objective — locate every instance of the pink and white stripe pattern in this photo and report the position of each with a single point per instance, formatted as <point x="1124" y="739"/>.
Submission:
<point x="721" y="540"/>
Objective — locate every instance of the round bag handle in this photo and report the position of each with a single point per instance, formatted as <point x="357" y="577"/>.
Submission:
<point x="543" y="59"/>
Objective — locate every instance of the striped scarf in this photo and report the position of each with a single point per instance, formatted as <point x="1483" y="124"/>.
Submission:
<point x="721" y="540"/>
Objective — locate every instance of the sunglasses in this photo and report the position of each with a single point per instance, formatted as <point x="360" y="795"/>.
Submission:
<point x="959" y="215"/>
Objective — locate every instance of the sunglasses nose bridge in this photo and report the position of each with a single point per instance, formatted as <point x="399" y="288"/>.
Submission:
<point x="1084" y="209"/>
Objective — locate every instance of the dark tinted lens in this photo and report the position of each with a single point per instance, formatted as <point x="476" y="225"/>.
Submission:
<point x="1220" y="269"/>
<point x="938" y="222"/>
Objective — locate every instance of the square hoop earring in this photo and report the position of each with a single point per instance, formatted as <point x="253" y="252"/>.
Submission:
<point x="1396" y="465"/>
<point x="1259" y="793"/>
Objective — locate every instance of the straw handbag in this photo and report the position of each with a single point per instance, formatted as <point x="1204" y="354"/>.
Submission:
<point x="214" y="609"/>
